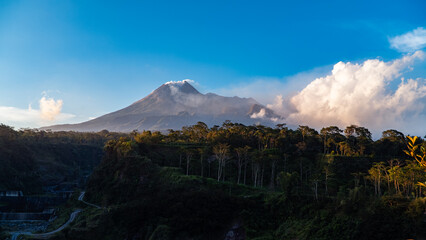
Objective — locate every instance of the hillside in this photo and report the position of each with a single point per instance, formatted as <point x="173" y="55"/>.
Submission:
<point x="31" y="161"/>
<point x="146" y="195"/>
<point x="255" y="182"/>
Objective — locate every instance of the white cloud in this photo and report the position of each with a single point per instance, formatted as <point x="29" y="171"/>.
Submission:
<point x="359" y="94"/>
<point x="409" y="42"/>
<point x="16" y="115"/>
<point x="281" y="105"/>
<point x="49" y="108"/>
<point x="49" y="112"/>
<point x="260" y="114"/>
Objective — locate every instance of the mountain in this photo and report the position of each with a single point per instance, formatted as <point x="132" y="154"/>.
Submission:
<point x="174" y="105"/>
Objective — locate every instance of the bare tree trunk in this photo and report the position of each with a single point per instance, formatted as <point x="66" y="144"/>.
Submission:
<point x="285" y="163"/>
<point x="188" y="158"/>
<point x="325" y="139"/>
<point x="202" y="166"/>
<point x="252" y="174"/>
<point x="255" y="173"/>
<point x="316" y="189"/>
<point x="219" y="170"/>
<point x="396" y="186"/>
<point x="245" y="172"/>
<point x="301" y="173"/>
<point x="272" y="183"/>
<point x="326" y="182"/>
<point x="239" y="173"/>
<point x="375" y="186"/>
<point x="223" y="171"/>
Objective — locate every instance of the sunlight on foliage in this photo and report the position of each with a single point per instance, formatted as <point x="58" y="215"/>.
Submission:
<point x="413" y="152"/>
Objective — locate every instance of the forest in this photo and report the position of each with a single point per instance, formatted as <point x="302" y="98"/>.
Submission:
<point x="279" y="183"/>
<point x="31" y="160"/>
<point x="274" y="183"/>
<point x="314" y="163"/>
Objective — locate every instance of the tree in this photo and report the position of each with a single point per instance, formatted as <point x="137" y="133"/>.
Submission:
<point x="358" y="138"/>
<point x="331" y="136"/>
<point x="189" y="153"/>
<point x="307" y="131"/>
<point x="393" y="135"/>
<point x="242" y="158"/>
<point x="202" y="152"/>
<point x="273" y="159"/>
<point x="376" y="173"/>
<point x="395" y="176"/>
<point x="327" y="169"/>
<point x="390" y="145"/>
<point x="196" y="133"/>
<point x="7" y="133"/>
<point x="417" y="152"/>
<point x="147" y="137"/>
<point x="221" y="152"/>
<point x="288" y="182"/>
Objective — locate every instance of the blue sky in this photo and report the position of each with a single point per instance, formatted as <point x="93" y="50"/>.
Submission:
<point x="99" y="56"/>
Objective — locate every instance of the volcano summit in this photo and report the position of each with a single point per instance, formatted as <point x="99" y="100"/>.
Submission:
<point x="174" y="105"/>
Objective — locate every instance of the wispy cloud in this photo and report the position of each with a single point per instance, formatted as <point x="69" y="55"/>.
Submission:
<point x="409" y="42"/>
<point x="49" y="112"/>
<point x="181" y="82"/>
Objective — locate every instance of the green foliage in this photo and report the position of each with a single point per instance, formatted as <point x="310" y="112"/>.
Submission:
<point x="288" y="182"/>
<point x="31" y="159"/>
<point x="129" y="180"/>
<point x="416" y="151"/>
<point x="156" y="186"/>
<point x="319" y="227"/>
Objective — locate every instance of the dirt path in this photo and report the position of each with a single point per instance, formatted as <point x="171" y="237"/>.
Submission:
<point x="73" y="215"/>
<point x="80" y="198"/>
<point x="15" y="235"/>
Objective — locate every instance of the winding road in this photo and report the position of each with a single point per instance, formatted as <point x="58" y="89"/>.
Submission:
<point x="80" y="198"/>
<point x="47" y="235"/>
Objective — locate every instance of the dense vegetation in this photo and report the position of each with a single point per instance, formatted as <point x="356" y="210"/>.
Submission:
<point x="32" y="159"/>
<point x="263" y="157"/>
<point x="275" y="183"/>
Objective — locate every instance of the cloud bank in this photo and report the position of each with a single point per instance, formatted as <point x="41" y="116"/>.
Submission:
<point x="49" y="112"/>
<point x="359" y="94"/>
<point x="409" y="42"/>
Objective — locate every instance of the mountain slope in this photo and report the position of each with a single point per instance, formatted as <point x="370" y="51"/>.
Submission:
<point x="177" y="104"/>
